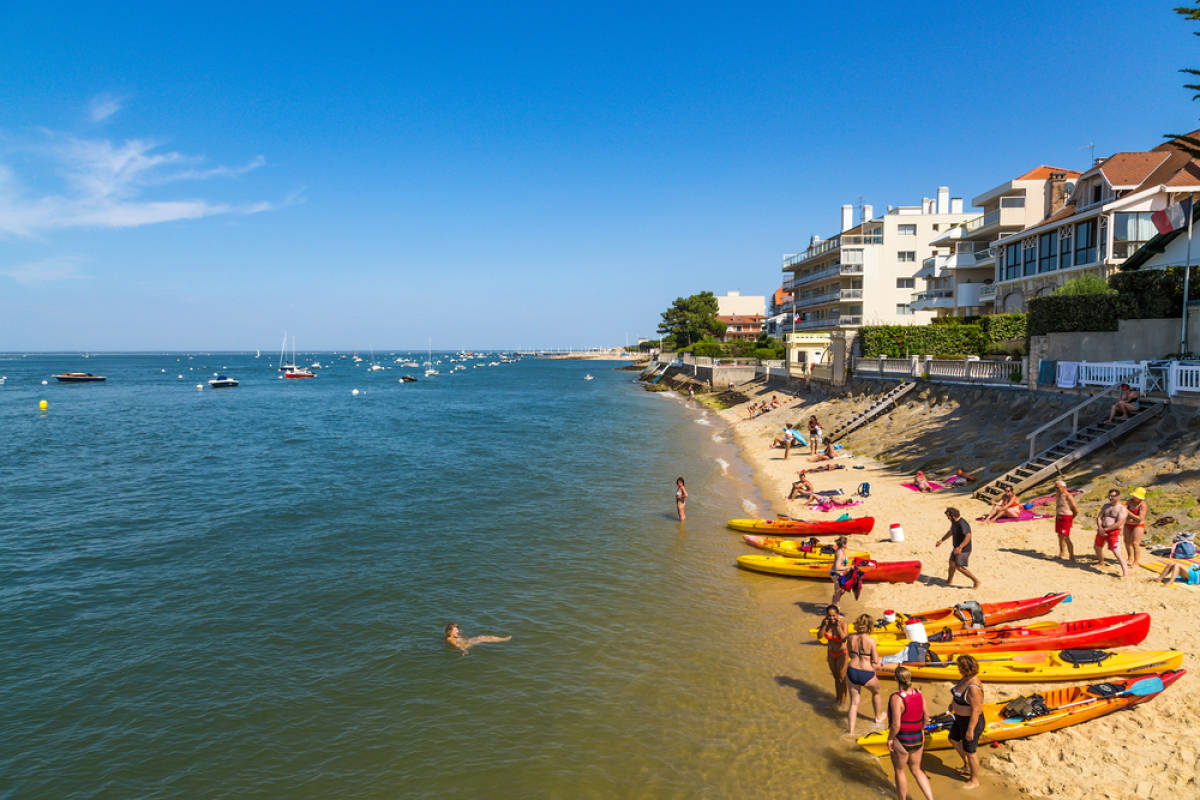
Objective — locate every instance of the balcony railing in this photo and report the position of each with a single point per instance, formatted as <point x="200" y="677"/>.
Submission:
<point x="826" y="274"/>
<point x="825" y="324"/>
<point x="1126" y="249"/>
<point x="933" y="295"/>
<point x="988" y="290"/>
<point x="978" y="222"/>
<point x="831" y="245"/>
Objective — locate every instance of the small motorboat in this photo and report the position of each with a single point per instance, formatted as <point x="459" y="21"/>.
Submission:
<point x="297" y="372"/>
<point x="408" y="379"/>
<point x="222" y="382"/>
<point x="79" y="377"/>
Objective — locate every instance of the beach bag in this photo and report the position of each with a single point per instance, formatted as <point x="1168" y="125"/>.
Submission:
<point x="1026" y="707"/>
<point x="1183" y="550"/>
<point x="864" y="490"/>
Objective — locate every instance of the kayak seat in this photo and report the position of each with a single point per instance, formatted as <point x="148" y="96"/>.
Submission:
<point x="1081" y="657"/>
<point x="1105" y="689"/>
<point x="971" y="613"/>
<point x="944" y="635"/>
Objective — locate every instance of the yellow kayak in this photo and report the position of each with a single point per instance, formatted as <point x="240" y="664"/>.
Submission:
<point x="1047" y="666"/>
<point x="795" y="549"/>
<point x="1063" y="708"/>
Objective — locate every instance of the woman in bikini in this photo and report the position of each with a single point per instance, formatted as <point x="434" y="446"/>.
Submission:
<point x="680" y="498"/>
<point x="860" y="671"/>
<point x="906" y="735"/>
<point x="814" y="435"/>
<point x="922" y="483"/>
<point x="1007" y="506"/>
<point x="1135" y="525"/>
<point x="966" y="704"/>
<point x="838" y="569"/>
<point x="834" y="631"/>
<point x="826" y="454"/>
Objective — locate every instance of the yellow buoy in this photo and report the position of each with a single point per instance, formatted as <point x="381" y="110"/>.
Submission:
<point x="43" y="405"/>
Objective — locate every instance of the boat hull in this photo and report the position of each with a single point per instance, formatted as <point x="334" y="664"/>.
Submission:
<point x="74" y="377"/>
<point x="1119" y="631"/>
<point x="784" y="527"/>
<point x="873" y="571"/>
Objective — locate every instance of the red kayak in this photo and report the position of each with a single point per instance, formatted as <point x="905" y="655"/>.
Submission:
<point x="1084" y="634"/>
<point x="787" y="527"/>
<point x="963" y="616"/>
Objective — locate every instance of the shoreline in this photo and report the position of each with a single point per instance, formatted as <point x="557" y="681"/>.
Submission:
<point x="1143" y="752"/>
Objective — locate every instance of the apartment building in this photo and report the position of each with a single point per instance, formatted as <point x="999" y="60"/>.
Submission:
<point x="960" y="279"/>
<point x="866" y="273"/>
<point x="1104" y="221"/>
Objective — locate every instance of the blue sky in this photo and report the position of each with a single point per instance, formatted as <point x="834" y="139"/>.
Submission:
<point x="496" y="175"/>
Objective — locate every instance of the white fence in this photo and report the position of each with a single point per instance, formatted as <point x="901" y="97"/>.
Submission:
<point x="1183" y="378"/>
<point x="942" y="370"/>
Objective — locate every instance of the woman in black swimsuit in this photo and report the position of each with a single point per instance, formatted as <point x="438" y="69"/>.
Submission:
<point x="860" y="673"/>
<point x="966" y="704"/>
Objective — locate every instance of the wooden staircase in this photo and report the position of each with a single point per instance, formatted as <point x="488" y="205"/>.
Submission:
<point x="881" y="405"/>
<point x="1050" y="462"/>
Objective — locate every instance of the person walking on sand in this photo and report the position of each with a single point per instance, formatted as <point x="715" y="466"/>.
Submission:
<point x="834" y="631"/>
<point x="860" y="671"/>
<point x="1108" y="530"/>
<point x="839" y="569"/>
<point x="1065" y="511"/>
<point x="908" y="717"/>
<point x="814" y="435"/>
<point x="1135" y="525"/>
<point x="960" y="555"/>
<point x="966" y="704"/>
<point x="680" y="498"/>
<point x="455" y="638"/>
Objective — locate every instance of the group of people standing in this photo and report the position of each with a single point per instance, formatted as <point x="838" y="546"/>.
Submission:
<point x="1120" y="526"/>
<point x="854" y="661"/>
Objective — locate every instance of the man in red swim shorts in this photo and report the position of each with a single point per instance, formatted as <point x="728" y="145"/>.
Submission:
<point x="1108" y="530"/>
<point x="1065" y="512"/>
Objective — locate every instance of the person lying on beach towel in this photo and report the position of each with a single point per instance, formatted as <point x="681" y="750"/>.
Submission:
<point x="1007" y="507"/>
<point x="922" y="482"/>
<point x="1023" y="515"/>
<point x="830" y="503"/>
<point x="958" y="478"/>
<point x="826" y="467"/>
<point x="916" y="485"/>
<point x="1180" y="571"/>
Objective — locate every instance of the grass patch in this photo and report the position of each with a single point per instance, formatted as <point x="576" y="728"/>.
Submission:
<point x="1170" y="500"/>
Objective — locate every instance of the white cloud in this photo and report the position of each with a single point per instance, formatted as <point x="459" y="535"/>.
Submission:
<point x="104" y="106"/>
<point x="60" y="268"/>
<point x="104" y="185"/>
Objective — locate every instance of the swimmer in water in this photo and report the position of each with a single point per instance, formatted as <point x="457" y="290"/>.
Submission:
<point x="454" y="637"/>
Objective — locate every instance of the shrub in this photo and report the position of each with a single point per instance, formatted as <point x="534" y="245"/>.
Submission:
<point x="1004" y="327"/>
<point x="1084" y="285"/>
<point x="899" y="341"/>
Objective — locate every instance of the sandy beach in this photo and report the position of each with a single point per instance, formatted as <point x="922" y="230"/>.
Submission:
<point x="1149" y="751"/>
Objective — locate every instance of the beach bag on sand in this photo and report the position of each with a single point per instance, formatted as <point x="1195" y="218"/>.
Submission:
<point x="864" y="490"/>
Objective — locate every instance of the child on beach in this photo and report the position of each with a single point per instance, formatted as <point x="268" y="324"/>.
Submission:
<point x="455" y="638"/>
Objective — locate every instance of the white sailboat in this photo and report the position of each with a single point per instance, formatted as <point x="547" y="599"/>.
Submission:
<point x="288" y="366"/>
<point x="429" y="370"/>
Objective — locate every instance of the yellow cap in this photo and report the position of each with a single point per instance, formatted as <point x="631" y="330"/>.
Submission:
<point x="1139" y="493"/>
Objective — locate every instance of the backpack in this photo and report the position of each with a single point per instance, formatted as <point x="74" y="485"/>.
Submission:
<point x="1183" y="549"/>
<point x="864" y="490"/>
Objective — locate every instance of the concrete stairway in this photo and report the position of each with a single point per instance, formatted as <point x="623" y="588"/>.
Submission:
<point x="1050" y="462"/>
<point x="885" y="403"/>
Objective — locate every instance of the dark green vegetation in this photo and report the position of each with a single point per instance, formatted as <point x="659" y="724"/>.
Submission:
<point x="948" y="336"/>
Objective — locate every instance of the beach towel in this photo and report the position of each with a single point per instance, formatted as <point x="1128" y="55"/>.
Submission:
<point x="826" y="505"/>
<point x="1068" y="373"/>
<point x="913" y="486"/>
<point x="1047" y="499"/>
<point x="1047" y="369"/>
<point x="1026" y="515"/>
<point x="1156" y="565"/>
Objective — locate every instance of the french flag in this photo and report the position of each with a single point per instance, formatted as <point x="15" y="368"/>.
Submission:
<point x="1172" y="218"/>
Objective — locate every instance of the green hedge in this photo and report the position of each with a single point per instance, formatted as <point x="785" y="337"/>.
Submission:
<point x="1142" y="294"/>
<point x="1003" y="327"/>
<point x="899" y="341"/>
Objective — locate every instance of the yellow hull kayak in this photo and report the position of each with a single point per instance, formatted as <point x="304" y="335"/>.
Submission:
<point x="792" y="549"/>
<point x="1067" y="706"/>
<point x="1046" y="666"/>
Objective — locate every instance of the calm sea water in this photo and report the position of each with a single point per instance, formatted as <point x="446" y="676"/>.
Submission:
<point x="242" y="592"/>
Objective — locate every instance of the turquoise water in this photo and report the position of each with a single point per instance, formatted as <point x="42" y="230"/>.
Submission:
<point x="242" y="592"/>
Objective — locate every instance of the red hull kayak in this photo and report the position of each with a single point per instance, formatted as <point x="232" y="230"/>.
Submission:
<point x="956" y="619"/>
<point x="873" y="571"/>
<point x="785" y="527"/>
<point x="1084" y="634"/>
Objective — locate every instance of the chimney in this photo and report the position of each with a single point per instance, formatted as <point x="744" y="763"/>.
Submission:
<point x="847" y="218"/>
<point x="868" y="214"/>
<point x="816" y="240"/>
<point x="1056" y="198"/>
<point x="943" y="200"/>
<point x="955" y="205"/>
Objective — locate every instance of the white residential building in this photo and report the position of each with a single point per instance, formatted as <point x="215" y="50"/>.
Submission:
<point x="1105" y="221"/>
<point x="959" y="281"/>
<point x="734" y="304"/>
<point x="866" y="274"/>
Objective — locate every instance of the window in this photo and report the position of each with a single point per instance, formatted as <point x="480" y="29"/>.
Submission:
<point x="1048" y="252"/>
<point x="1103" y="238"/>
<point x="905" y="283"/>
<point x="1012" y="261"/>
<point x="1012" y="202"/>
<point x="902" y="310"/>
<point x="1031" y="256"/>
<point x="1097" y="191"/>
<point x="1065" y="261"/>
<point x="1131" y="231"/>
<point x="852" y="256"/>
<point x="907" y="256"/>
<point x="936" y="228"/>
<point x="1085" y="242"/>
<point x="908" y="230"/>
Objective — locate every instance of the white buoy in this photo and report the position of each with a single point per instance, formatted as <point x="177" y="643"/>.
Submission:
<point x="199" y="385"/>
<point x="354" y="392"/>
<point x="181" y="376"/>
<point x="45" y="382"/>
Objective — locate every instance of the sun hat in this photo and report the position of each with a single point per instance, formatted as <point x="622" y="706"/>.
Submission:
<point x="1139" y="493"/>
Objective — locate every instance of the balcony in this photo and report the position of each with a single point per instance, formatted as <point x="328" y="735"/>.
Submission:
<point x="988" y="290"/>
<point x="835" y="271"/>
<point x="1126" y="249"/>
<point x="829" y="246"/>
<point x="837" y="295"/>
<point x="829" y="323"/>
<point x="926" y="301"/>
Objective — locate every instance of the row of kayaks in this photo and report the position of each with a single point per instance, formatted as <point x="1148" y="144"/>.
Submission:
<point x="1031" y="652"/>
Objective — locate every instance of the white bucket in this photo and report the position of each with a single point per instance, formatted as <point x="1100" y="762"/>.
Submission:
<point x="897" y="533"/>
<point x="915" y="632"/>
<point x="889" y="616"/>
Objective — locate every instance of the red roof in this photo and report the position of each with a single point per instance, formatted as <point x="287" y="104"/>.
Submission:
<point x="1043" y="173"/>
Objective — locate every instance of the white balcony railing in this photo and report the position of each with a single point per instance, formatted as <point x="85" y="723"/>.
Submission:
<point x="987" y="290"/>
<point x="831" y="245"/>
